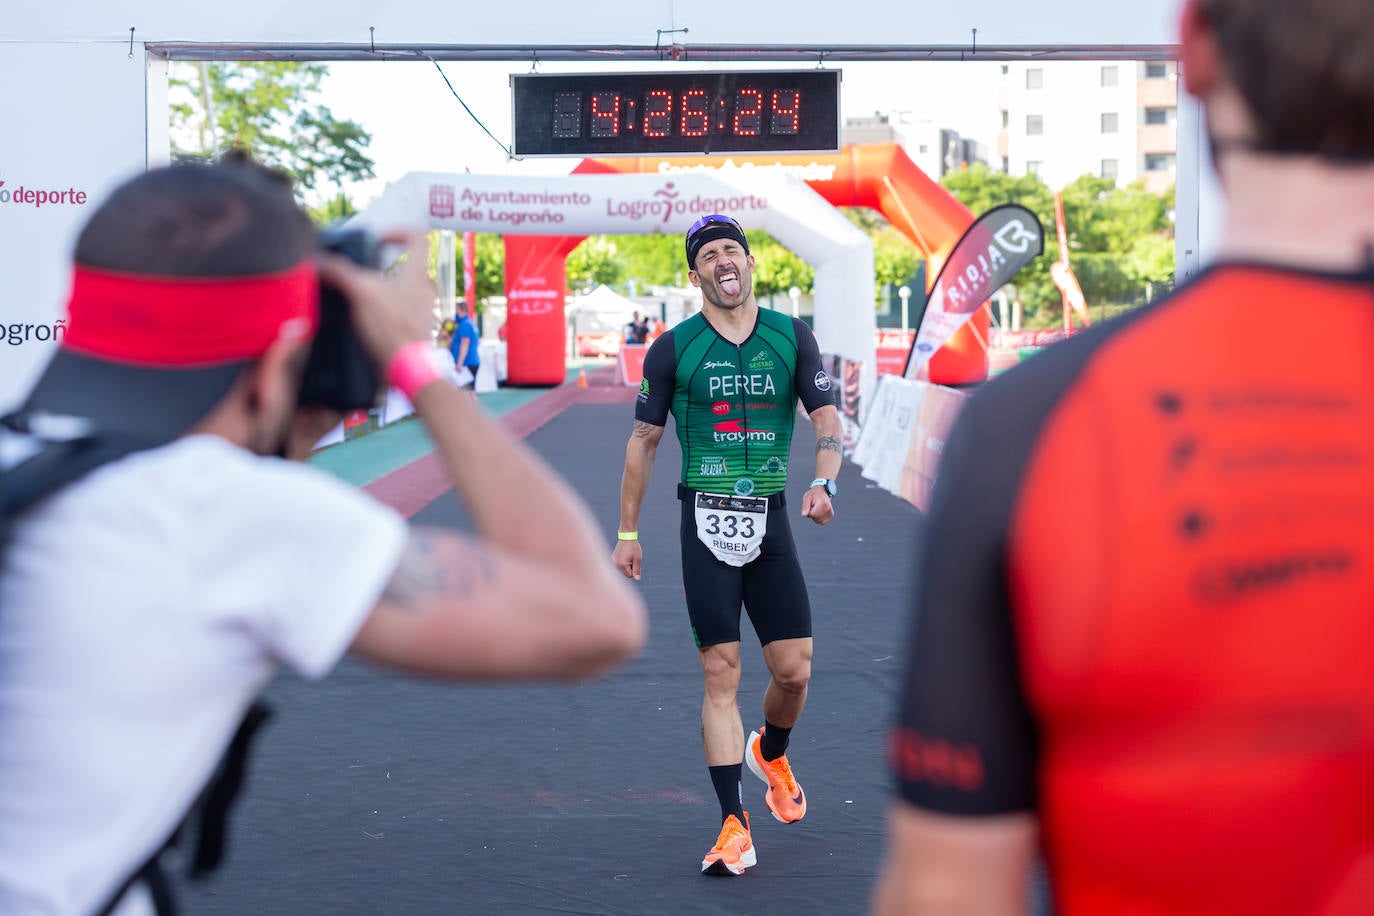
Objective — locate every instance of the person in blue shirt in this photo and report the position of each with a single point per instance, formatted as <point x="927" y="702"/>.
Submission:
<point x="463" y="346"/>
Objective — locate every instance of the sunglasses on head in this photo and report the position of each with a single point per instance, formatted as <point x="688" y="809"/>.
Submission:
<point x="713" y="219"/>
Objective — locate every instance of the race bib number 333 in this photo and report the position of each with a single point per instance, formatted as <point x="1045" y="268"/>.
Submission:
<point x="732" y="527"/>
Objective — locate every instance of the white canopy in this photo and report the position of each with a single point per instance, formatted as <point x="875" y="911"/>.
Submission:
<point x="605" y="299"/>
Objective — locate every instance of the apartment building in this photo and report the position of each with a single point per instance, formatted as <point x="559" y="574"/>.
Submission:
<point x="1116" y="119"/>
<point x="935" y="150"/>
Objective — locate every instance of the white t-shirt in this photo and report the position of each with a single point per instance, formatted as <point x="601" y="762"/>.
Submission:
<point x="141" y="610"/>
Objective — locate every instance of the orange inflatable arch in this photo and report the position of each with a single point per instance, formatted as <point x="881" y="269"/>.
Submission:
<point x="880" y="176"/>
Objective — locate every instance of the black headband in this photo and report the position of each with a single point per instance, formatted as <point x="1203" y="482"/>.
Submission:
<point x="710" y="233"/>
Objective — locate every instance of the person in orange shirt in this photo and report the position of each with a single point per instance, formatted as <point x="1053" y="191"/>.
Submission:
<point x="1141" y="623"/>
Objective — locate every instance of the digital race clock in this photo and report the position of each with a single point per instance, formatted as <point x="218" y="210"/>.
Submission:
<point x="651" y="114"/>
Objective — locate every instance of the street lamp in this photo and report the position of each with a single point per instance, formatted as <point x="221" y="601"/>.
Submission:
<point x="905" y="293"/>
<point x="795" y="293"/>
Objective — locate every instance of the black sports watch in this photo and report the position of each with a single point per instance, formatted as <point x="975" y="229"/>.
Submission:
<point x="826" y="482"/>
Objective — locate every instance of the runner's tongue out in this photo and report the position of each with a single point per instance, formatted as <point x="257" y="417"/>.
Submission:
<point x="728" y="280"/>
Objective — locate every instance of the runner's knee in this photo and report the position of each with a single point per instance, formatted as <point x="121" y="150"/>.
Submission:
<point x="793" y="677"/>
<point x="721" y="670"/>
<point x="791" y="669"/>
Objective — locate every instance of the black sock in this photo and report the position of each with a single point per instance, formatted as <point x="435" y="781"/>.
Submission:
<point x="726" y="780"/>
<point x="773" y="743"/>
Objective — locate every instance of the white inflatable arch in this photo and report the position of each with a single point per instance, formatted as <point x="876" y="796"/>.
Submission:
<point x="774" y="201"/>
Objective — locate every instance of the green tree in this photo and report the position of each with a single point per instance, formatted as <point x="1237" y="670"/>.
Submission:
<point x="895" y="259"/>
<point x="652" y="260"/>
<point x="776" y="269"/>
<point x="1151" y="261"/>
<point x="269" y="109"/>
<point x="980" y="189"/>
<point x="491" y="265"/>
<point x="334" y="210"/>
<point x="593" y="263"/>
<point x="1101" y="217"/>
<point x="866" y="218"/>
<point x="1121" y="240"/>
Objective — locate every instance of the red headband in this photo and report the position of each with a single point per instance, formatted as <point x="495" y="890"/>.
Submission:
<point x="187" y="321"/>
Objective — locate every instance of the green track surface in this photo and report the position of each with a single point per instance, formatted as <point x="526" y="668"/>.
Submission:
<point x="364" y="458"/>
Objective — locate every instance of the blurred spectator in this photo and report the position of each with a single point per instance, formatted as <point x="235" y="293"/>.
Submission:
<point x="1142" y="629"/>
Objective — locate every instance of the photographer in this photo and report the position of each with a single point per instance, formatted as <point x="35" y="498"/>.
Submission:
<point x="146" y="603"/>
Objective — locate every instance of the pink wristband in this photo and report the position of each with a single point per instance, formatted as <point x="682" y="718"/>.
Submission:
<point x="413" y="367"/>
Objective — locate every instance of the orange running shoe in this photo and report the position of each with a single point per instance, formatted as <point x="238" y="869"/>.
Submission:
<point x="785" y="798"/>
<point x="734" y="849"/>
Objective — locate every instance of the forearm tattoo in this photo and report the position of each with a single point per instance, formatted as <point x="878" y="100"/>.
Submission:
<point x="829" y="443"/>
<point x="437" y="566"/>
<point x="643" y="430"/>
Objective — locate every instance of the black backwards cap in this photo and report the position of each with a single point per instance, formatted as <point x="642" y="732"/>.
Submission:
<point x="708" y="229"/>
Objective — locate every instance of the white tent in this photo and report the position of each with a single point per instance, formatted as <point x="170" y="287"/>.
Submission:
<point x="598" y="320"/>
<point x="603" y="299"/>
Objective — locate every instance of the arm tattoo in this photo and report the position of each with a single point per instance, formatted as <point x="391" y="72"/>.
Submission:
<point x="438" y="566"/>
<point x="643" y="430"/>
<point x="829" y="443"/>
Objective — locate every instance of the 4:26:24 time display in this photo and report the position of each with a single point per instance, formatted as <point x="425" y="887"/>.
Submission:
<point x="748" y="112"/>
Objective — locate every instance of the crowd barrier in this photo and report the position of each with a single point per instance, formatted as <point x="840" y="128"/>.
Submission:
<point x="903" y="436"/>
<point x="396" y="406"/>
<point x="629" y="364"/>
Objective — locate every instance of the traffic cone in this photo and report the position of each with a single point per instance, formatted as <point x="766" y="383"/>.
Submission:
<point x="582" y="377"/>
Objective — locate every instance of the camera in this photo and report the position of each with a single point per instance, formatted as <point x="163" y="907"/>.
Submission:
<point x="339" y="374"/>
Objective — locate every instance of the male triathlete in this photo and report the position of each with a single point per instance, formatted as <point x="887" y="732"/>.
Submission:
<point x="731" y="375"/>
<point x="1143" y="622"/>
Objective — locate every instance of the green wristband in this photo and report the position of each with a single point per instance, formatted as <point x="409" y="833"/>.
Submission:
<point x="627" y="535"/>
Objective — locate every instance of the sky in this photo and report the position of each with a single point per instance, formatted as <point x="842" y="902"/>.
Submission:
<point x="418" y="125"/>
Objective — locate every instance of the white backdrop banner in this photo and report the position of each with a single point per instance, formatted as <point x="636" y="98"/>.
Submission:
<point x="74" y="128"/>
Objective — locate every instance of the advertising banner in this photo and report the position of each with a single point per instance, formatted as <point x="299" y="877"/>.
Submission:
<point x="879" y="415"/>
<point x="470" y="270"/>
<point x="893" y="423"/>
<point x="903" y="437"/>
<point x="845" y="374"/>
<point x="938" y="410"/>
<point x="536" y="330"/>
<point x="991" y="252"/>
<point x="74" y="129"/>
<point x="630" y="364"/>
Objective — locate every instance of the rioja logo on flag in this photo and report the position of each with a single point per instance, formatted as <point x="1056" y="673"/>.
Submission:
<point x="991" y="252"/>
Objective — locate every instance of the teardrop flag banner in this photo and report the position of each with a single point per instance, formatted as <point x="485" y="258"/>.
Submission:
<point x="990" y="252"/>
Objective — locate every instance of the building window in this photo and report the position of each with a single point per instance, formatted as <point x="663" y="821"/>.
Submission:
<point x="1035" y="125"/>
<point x="1033" y="167"/>
<point x="1156" y="70"/>
<point x="1109" y="168"/>
<point x="1108" y="77"/>
<point x="1006" y="166"/>
<point x="1109" y="120"/>
<point x="1158" y="115"/>
<point x="1035" y="78"/>
<point x="1159" y="162"/>
<point x="1006" y="119"/>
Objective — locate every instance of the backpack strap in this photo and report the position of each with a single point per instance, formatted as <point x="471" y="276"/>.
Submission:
<point x="40" y="453"/>
<point x="209" y="816"/>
